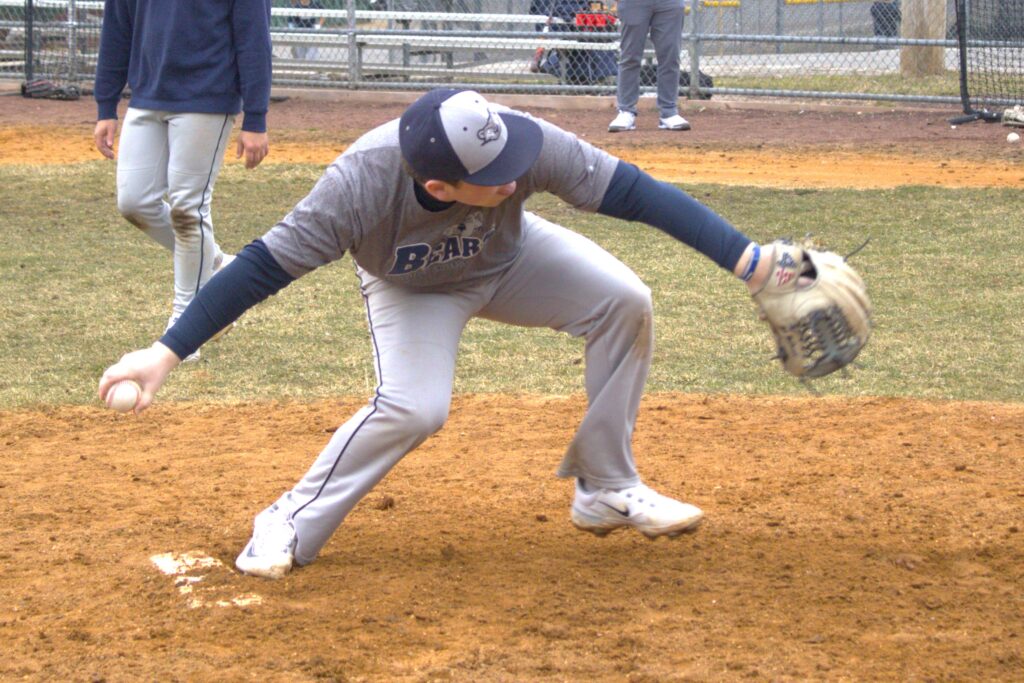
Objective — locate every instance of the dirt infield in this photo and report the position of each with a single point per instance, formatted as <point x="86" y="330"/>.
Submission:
<point x="818" y="147"/>
<point x="846" y="539"/>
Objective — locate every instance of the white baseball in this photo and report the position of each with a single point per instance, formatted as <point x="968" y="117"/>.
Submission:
<point x="123" y="396"/>
<point x="1012" y="137"/>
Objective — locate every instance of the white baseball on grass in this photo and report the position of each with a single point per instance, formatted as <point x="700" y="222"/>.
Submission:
<point x="1012" y="137"/>
<point x="123" y="396"/>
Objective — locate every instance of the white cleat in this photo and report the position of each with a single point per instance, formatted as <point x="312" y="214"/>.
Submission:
<point x="602" y="511"/>
<point x="624" y="121"/>
<point x="270" y="552"/>
<point x="674" y="122"/>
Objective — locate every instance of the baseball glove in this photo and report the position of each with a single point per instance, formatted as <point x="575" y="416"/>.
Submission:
<point x="1014" y="116"/>
<point x="43" y="89"/>
<point x="817" y="307"/>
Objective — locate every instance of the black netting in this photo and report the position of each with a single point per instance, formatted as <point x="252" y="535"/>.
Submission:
<point x="991" y="37"/>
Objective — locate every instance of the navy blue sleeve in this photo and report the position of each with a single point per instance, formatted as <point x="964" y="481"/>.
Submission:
<point x="251" y="24"/>
<point x="252" y="277"/>
<point x="112" y="63"/>
<point x="635" y="196"/>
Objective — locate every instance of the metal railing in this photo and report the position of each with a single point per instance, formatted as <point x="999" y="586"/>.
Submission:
<point x="837" y="49"/>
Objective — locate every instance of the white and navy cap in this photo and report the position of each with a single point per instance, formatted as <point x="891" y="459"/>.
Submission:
<point x="454" y="135"/>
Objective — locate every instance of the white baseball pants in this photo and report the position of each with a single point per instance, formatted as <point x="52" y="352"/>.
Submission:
<point x="560" y="280"/>
<point x="166" y="167"/>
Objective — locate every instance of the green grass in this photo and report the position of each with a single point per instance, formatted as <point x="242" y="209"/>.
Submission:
<point x="80" y="287"/>
<point x="947" y="84"/>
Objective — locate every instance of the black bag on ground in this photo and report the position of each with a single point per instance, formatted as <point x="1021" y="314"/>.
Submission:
<point x="43" y="89"/>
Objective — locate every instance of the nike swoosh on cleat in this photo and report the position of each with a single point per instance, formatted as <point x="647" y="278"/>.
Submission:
<point x="624" y="514"/>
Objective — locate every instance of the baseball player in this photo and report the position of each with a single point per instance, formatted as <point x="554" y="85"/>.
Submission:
<point x="191" y="68"/>
<point x="662" y="20"/>
<point x="431" y="208"/>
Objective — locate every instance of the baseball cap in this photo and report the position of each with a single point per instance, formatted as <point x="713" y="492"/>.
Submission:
<point x="456" y="135"/>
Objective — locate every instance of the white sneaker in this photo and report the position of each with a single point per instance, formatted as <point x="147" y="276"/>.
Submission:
<point x="675" y="122"/>
<point x="624" y="121"/>
<point x="652" y="514"/>
<point x="271" y="550"/>
<point x="222" y="263"/>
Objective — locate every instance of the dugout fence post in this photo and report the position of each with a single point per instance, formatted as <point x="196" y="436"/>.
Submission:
<point x="780" y="6"/>
<point x="354" y="59"/>
<point x="72" y="65"/>
<point x="29" y="40"/>
<point x="693" y="91"/>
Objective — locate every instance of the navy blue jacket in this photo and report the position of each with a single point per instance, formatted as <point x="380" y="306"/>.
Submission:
<point x="197" y="56"/>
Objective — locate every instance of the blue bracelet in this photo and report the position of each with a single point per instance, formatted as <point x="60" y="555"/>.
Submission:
<point x="752" y="266"/>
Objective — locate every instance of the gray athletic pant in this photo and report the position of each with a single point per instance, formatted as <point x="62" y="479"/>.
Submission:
<point x="559" y="280"/>
<point x="178" y="156"/>
<point x="663" y="20"/>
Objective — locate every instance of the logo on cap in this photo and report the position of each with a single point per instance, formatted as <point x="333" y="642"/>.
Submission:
<point x="491" y="130"/>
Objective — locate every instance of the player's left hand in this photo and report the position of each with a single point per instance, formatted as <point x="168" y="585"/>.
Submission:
<point x="149" y="367"/>
<point x="103" y="135"/>
<point x="817" y="307"/>
<point x="255" y="146"/>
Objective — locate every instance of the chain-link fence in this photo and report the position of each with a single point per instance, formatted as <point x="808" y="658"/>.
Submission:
<point x="853" y="49"/>
<point x="51" y="41"/>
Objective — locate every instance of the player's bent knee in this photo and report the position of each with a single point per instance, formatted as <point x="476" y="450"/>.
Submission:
<point x="137" y="211"/>
<point x="634" y="300"/>
<point x="421" y="418"/>
<point x="633" y="309"/>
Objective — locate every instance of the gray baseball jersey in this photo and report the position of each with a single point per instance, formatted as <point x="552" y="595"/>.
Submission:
<point x="365" y="204"/>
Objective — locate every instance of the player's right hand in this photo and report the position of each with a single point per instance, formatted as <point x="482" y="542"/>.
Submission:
<point x="149" y="367"/>
<point x="103" y="134"/>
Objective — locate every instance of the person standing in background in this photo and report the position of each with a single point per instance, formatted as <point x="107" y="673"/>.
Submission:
<point x="662" y="20"/>
<point x="305" y="23"/>
<point x="191" y="68"/>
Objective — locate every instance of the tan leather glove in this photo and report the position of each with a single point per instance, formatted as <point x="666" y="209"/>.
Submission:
<point x="817" y="307"/>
